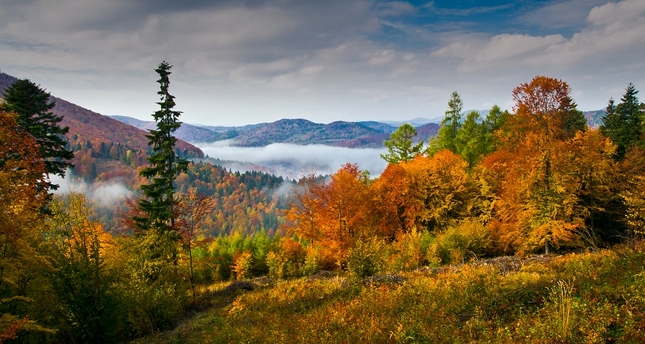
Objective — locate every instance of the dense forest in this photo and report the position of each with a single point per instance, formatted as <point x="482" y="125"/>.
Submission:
<point x="508" y="186"/>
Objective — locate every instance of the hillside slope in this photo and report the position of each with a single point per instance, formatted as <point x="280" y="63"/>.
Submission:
<point x="85" y="125"/>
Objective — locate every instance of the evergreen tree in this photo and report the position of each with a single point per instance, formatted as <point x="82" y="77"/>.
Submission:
<point x="493" y="122"/>
<point x="447" y="136"/>
<point x="400" y="147"/>
<point x="623" y="123"/>
<point x="471" y="139"/>
<point x="159" y="203"/>
<point x="33" y="107"/>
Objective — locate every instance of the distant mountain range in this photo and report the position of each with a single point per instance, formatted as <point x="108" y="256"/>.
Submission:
<point x="296" y="131"/>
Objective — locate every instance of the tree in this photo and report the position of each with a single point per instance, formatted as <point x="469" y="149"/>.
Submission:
<point x="623" y="123"/>
<point x="159" y="203"/>
<point x="470" y="142"/>
<point x="32" y="105"/>
<point x="539" y="194"/>
<point x="447" y="136"/>
<point x="21" y="226"/>
<point x="193" y="207"/>
<point x="90" y="307"/>
<point x="400" y="147"/>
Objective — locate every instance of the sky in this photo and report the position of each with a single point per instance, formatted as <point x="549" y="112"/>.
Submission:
<point x="240" y="62"/>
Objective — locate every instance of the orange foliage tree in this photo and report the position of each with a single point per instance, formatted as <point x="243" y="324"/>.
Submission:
<point x="22" y="173"/>
<point x="550" y="175"/>
<point x="332" y="214"/>
<point x="432" y="193"/>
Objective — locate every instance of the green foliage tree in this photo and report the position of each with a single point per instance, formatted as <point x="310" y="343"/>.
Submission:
<point x="623" y="123"/>
<point x="400" y="147"/>
<point x="33" y="107"/>
<point x="470" y="142"/>
<point x="159" y="203"/>
<point x="447" y="136"/>
<point x="90" y="307"/>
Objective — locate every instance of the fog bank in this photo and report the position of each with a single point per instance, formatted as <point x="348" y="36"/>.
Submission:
<point x="292" y="160"/>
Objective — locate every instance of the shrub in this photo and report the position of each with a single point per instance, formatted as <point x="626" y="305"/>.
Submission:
<point x="469" y="239"/>
<point x="277" y="264"/>
<point x="312" y="261"/>
<point x="366" y="258"/>
<point x="242" y="264"/>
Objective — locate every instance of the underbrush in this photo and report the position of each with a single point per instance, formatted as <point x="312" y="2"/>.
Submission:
<point x="592" y="297"/>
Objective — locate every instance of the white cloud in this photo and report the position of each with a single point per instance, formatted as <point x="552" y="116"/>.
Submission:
<point x="616" y="30"/>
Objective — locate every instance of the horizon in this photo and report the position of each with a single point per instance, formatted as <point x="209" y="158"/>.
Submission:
<point x="238" y="63"/>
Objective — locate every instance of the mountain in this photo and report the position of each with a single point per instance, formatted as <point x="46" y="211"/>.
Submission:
<point x="187" y="132"/>
<point x="296" y="131"/>
<point x="380" y="126"/>
<point x="85" y="125"/>
<point x="417" y="122"/>
<point x="594" y="118"/>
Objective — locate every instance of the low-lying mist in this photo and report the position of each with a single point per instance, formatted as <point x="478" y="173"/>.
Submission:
<point x="290" y="160"/>
<point x="104" y="193"/>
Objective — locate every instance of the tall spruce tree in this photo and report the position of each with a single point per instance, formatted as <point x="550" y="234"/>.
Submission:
<point x="447" y="136"/>
<point x="33" y="107"/>
<point x="159" y="203"/>
<point x="623" y="123"/>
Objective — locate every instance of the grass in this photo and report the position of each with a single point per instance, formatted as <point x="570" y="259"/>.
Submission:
<point x="593" y="297"/>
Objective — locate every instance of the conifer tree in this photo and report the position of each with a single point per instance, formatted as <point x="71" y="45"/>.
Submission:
<point x="166" y="165"/>
<point x="447" y="136"/>
<point x="33" y="107"/>
<point x="623" y="123"/>
<point x="400" y="147"/>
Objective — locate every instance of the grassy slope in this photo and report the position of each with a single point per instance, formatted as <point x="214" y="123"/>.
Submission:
<point x="593" y="297"/>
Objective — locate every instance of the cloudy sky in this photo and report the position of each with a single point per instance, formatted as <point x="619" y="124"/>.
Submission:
<point x="249" y="61"/>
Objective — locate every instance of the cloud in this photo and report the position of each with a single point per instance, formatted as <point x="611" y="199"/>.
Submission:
<point x="560" y="14"/>
<point x="102" y="193"/>
<point x="248" y="61"/>
<point x="465" y="11"/>
<point x="290" y="160"/>
<point x="616" y="31"/>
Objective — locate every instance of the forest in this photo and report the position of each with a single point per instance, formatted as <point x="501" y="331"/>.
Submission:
<point x="522" y="226"/>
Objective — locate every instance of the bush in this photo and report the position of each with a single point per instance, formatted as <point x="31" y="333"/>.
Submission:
<point x="409" y="251"/>
<point x="277" y="264"/>
<point x="468" y="240"/>
<point x="366" y="258"/>
<point x="242" y="264"/>
<point x="312" y="261"/>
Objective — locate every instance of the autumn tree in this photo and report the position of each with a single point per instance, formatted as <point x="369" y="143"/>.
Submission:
<point x="540" y="189"/>
<point x="91" y="309"/>
<point x="623" y="123"/>
<point x="439" y="191"/>
<point x="333" y="214"/>
<point x="447" y="136"/>
<point x="400" y="147"/>
<point x="22" y="173"/>
<point x="33" y="107"/>
<point x="192" y="209"/>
